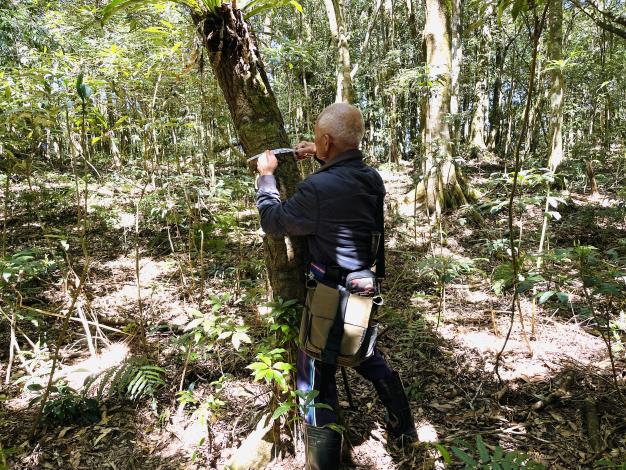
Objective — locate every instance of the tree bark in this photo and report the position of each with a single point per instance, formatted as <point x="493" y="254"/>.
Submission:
<point x="495" y="114"/>
<point x="235" y="59"/>
<point x="456" y="44"/>
<point x="443" y="185"/>
<point x="336" y="21"/>
<point x="555" y="54"/>
<point x="478" y="139"/>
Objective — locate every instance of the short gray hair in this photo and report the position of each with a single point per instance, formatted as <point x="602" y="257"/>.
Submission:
<point x="344" y="123"/>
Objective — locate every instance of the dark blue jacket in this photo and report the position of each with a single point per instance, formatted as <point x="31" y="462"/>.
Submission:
<point x="337" y="208"/>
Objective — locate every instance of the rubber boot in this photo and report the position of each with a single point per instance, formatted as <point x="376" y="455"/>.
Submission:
<point x="322" y="447"/>
<point x="400" y="424"/>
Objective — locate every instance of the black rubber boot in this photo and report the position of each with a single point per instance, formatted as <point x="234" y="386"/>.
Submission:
<point x="400" y="424"/>
<point x="322" y="447"/>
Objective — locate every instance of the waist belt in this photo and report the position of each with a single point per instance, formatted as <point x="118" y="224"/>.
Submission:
<point x="333" y="274"/>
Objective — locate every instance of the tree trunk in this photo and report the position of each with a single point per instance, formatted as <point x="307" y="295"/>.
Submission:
<point x="478" y="143"/>
<point x="235" y="59"/>
<point x="336" y="21"/>
<point x="555" y="54"/>
<point x="495" y="114"/>
<point x="456" y="43"/>
<point x="535" y="113"/>
<point x="443" y="186"/>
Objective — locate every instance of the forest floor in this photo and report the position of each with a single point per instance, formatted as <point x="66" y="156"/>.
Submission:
<point x="556" y="401"/>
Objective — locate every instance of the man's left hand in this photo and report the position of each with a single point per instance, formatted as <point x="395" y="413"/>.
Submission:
<point x="267" y="163"/>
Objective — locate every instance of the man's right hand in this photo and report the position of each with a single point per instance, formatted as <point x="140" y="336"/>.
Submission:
<point x="304" y="150"/>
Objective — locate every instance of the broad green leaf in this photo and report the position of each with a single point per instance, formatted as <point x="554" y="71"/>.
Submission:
<point x="283" y="366"/>
<point x="482" y="450"/>
<point x="444" y="453"/>
<point x="543" y="298"/>
<point x="563" y="297"/>
<point x="465" y="458"/>
<point x="518" y="7"/>
<point x="281" y="410"/>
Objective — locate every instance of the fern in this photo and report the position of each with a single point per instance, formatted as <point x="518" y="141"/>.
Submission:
<point x="254" y="7"/>
<point x="115" y="6"/>
<point x="417" y="336"/>
<point x="134" y="378"/>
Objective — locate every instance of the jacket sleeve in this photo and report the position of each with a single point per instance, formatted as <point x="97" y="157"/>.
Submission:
<point x="298" y="215"/>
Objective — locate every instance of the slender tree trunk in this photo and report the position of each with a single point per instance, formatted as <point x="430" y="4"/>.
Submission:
<point x="478" y="139"/>
<point x="535" y="113"/>
<point x="336" y="21"/>
<point x="456" y="44"/>
<point x="368" y="36"/>
<point x="443" y="186"/>
<point x="235" y="59"/>
<point x="555" y="54"/>
<point x="495" y="114"/>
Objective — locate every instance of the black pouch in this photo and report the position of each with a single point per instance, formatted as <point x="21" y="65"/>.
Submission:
<point x="362" y="282"/>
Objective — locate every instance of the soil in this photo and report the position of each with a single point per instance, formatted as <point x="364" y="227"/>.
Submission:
<point x="555" y="377"/>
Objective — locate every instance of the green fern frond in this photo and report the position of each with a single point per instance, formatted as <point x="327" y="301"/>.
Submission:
<point x="134" y="378"/>
<point x="254" y="7"/>
<point x="114" y="6"/>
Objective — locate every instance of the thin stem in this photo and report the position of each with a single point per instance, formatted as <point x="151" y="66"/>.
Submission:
<point x="531" y="86"/>
<point x="7" y="193"/>
<point x="60" y="339"/>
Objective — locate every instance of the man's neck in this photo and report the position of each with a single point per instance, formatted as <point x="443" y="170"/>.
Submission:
<point x="334" y="153"/>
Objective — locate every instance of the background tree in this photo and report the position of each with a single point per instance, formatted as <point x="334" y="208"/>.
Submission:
<point x="336" y="20"/>
<point x="443" y="183"/>
<point x="555" y="55"/>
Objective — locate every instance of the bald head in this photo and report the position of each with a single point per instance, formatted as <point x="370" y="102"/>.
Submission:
<point x="344" y="123"/>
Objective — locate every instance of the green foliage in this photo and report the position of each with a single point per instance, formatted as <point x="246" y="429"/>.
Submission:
<point x="211" y="328"/>
<point x="134" y="378"/>
<point x="285" y="315"/>
<point x="17" y="30"/>
<point x="272" y="368"/>
<point x="205" y="410"/>
<point x="485" y="457"/>
<point x="251" y="8"/>
<point x="65" y="406"/>
<point x="25" y="266"/>
<point x="503" y="278"/>
<point x="443" y="269"/>
<point x="300" y="401"/>
<point x="608" y="463"/>
<point x="84" y="91"/>
<point x="4" y="453"/>
<point x="255" y="7"/>
<point x="116" y="6"/>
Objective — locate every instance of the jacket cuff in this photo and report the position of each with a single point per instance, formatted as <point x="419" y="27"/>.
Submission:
<point x="266" y="183"/>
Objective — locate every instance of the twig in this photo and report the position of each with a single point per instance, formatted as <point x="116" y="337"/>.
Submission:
<point x="142" y="325"/>
<point x="58" y="315"/>
<point x="531" y="85"/>
<point x="60" y="339"/>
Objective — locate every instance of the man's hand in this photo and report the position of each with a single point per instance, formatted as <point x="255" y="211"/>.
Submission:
<point x="267" y="163"/>
<point x="304" y="150"/>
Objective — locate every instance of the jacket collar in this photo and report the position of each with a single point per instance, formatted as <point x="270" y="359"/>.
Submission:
<point x="353" y="154"/>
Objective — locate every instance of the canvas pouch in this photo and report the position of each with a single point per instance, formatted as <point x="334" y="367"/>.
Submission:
<point x="323" y="304"/>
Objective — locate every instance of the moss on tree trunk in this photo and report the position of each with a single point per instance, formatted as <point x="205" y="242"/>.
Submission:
<point x="237" y="65"/>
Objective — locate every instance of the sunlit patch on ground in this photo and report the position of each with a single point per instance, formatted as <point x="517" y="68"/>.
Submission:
<point x="160" y="299"/>
<point x="76" y="373"/>
<point x="426" y="432"/>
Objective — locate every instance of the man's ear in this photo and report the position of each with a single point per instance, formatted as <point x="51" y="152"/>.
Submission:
<point x="328" y="141"/>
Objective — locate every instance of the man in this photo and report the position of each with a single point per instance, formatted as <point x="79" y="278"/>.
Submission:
<point x="337" y="208"/>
